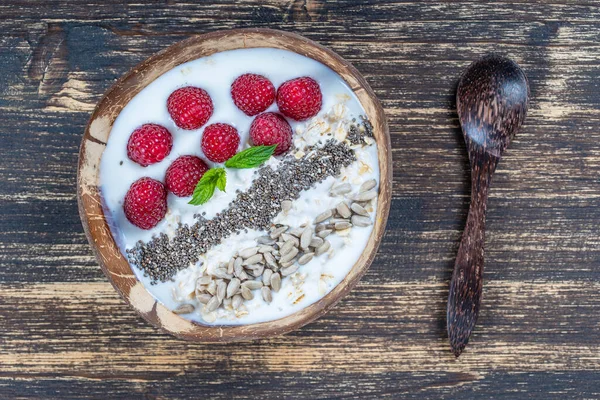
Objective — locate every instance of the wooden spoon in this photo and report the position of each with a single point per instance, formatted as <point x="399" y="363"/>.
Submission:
<point x="491" y="99"/>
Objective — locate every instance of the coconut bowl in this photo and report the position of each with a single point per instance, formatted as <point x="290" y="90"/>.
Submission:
<point x="116" y="267"/>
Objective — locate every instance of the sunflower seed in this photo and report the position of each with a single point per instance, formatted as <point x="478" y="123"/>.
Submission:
<point x="276" y="281"/>
<point x="286" y="205"/>
<point x="243" y="276"/>
<point x="266" y="294"/>
<point x="368" y="185"/>
<point x="230" y="266"/>
<point x="358" y="209"/>
<point x="204" y="280"/>
<point x="365" y="196"/>
<point x="324" y="248"/>
<point x="221" y="290"/>
<point x="204" y="298"/>
<point x="336" y="220"/>
<point x="287" y="247"/>
<point x="296" y="232"/>
<point x="258" y="270"/>
<point x="237" y="268"/>
<point x="270" y="260"/>
<point x="247" y="293"/>
<point x="212" y="287"/>
<point x="233" y="286"/>
<point x="343" y="210"/>
<point x="289" y="256"/>
<point x="316" y="242"/>
<point x="320" y="228"/>
<point x="305" y="258"/>
<point x="324" y="233"/>
<point x="342" y="225"/>
<point x="305" y="238"/>
<point x="227" y="304"/>
<point x="287" y="263"/>
<point x="287" y="237"/>
<point x="330" y="226"/>
<point x="252" y="285"/>
<point x="341" y="189"/>
<point x="289" y="270"/>
<point x="237" y="301"/>
<point x="266" y="277"/>
<point x="323" y="216"/>
<point x="265" y="249"/>
<point x="253" y="259"/>
<point x="359" y="220"/>
<point x="275" y="233"/>
<point x="249" y="252"/>
<point x="221" y="273"/>
<point x="184" y="309"/>
<point x="212" y="304"/>
<point x="265" y="240"/>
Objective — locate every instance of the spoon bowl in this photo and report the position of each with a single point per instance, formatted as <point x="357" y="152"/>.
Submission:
<point x="492" y="99"/>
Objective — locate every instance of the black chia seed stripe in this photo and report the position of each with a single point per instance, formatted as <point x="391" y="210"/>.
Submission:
<point x="161" y="257"/>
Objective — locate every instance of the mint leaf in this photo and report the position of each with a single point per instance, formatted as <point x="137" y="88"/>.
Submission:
<point x="214" y="177"/>
<point x="222" y="180"/>
<point x="252" y="157"/>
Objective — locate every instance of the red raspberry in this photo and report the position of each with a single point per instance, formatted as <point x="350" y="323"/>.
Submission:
<point x="190" y="107"/>
<point x="252" y="93"/>
<point x="270" y="128"/>
<point x="184" y="174"/>
<point x="220" y="142"/>
<point x="149" y="144"/>
<point x="145" y="203"/>
<point x="299" y="98"/>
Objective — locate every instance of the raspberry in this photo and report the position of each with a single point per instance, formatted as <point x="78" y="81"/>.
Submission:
<point x="220" y="142"/>
<point x="149" y="144"/>
<point x="252" y="93"/>
<point x="184" y="174"/>
<point x="190" y="107"/>
<point x="270" y="128"/>
<point x="299" y="98"/>
<point x="145" y="203"/>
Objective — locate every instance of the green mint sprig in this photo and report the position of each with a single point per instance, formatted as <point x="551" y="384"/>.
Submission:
<point x="251" y="157"/>
<point x="213" y="178"/>
<point x="217" y="177"/>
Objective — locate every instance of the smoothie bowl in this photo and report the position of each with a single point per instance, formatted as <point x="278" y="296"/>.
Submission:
<point x="236" y="185"/>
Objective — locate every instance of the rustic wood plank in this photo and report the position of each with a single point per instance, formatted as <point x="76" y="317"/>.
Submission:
<point x="65" y="333"/>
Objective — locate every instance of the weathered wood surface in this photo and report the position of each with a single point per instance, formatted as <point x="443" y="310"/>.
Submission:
<point x="65" y="333"/>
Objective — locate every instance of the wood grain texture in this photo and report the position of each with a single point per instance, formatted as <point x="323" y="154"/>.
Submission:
<point x="65" y="333"/>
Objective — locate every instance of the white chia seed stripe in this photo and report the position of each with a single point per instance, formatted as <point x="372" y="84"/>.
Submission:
<point x="161" y="258"/>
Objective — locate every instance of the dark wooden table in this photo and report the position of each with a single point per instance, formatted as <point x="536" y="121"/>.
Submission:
<point x="65" y="333"/>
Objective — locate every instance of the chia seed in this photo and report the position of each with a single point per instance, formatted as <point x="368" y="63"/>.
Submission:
<point x="161" y="257"/>
<point x="358" y="131"/>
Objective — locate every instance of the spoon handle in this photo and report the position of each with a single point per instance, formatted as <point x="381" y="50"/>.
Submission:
<point x="464" y="298"/>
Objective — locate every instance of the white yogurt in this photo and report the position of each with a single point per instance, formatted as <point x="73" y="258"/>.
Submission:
<point x="215" y="74"/>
